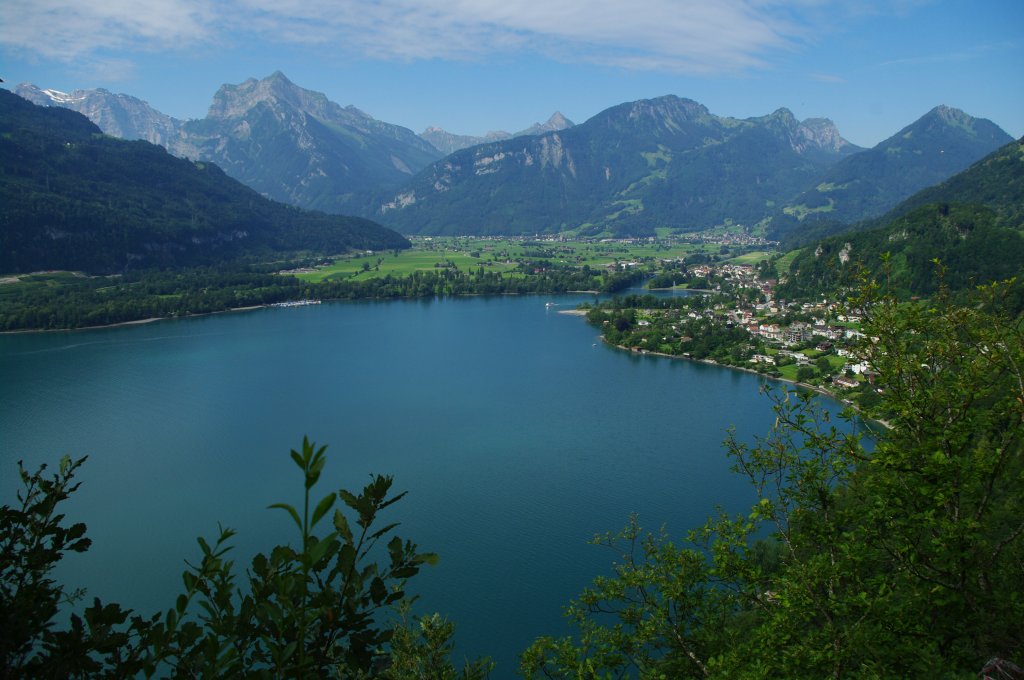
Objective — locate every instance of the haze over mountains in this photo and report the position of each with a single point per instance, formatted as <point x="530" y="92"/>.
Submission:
<point x="629" y="170"/>
<point x="447" y="142"/>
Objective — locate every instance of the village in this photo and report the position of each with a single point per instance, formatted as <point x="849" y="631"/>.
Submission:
<point x="732" y="316"/>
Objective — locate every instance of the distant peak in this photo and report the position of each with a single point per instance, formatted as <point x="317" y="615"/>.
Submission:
<point x="950" y="115"/>
<point x="558" y="120"/>
<point x="278" y="77"/>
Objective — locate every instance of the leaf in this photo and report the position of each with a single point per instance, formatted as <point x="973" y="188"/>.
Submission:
<point x="350" y="499"/>
<point x="341" y="524"/>
<point x="381" y="532"/>
<point x="395" y="549"/>
<point x="378" y="591"/>
<point x="322" y="548"/>
<point x="322" y="507"/>
<point x="429" y="558"/>
<point x="346" y="558"/>
<point x="291" y="511"/>
<point x="391" y="501"/>
<point x="298" y="460"/>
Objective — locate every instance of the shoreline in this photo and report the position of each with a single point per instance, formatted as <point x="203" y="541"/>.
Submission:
<point x="135" y="322"/>
<point x="139" y="322"/>
<point x="813" y="388"/>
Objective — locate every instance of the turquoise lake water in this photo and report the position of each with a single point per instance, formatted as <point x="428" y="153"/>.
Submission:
<point x="517" y="434"/>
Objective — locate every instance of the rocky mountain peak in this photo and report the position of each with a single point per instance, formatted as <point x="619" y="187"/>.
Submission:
<point x="668" y="107"/>
<point x="784" y="116"/>
<point x="951" y="116"/>
<point x="558" y="121"/>
<point x="823" y="134"/>
<point x="233" y="101"/>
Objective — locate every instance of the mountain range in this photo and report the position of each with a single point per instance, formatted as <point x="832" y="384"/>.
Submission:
<point x="73" y="198"/>
<point x="447" y="142"/>
<point x="937" y="146"/>
<point x="664" y="163"/>
<point x="290" y="144"/>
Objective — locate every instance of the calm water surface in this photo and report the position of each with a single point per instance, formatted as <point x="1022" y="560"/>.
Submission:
<point x="516" y="433"/>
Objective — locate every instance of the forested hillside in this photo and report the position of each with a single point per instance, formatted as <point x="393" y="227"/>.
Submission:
<point x="75" y="199"/>
<point x="938" y="145"/>
<point x="972" y="225"/>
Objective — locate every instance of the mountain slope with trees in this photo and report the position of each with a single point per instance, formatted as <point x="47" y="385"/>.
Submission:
<point x="665" y="162"/>
<point x="935" y="147"/>
<point x="73" y="198"/>
<point x="972" y="224"/>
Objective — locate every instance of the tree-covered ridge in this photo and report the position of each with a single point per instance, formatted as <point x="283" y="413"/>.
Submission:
<point x="973" y="245"/>
<point x="973" y="224"/>
<point x="74" y="199"/>
<point x="996" y="181"/>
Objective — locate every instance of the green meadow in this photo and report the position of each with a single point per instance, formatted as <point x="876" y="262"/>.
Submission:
<point x="498" y="255"/>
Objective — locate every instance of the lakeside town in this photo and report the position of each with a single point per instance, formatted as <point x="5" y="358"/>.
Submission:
<point x="738" y="320"/>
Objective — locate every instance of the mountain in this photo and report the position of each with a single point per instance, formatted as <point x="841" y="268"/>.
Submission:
<point x="996" y="182"/>
<point x="448" y="143"/>
<point x="73" y="198"/>
<point x="297" y="146"/>
<point x="119" y="115"/>
<point x="973" y="224"/>
<point x="288" y="143"/>
<point x="664" y="162"/>
<point x="935" y="147"/>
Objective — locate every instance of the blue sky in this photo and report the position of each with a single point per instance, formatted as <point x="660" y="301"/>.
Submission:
<point x="470" y="66"/>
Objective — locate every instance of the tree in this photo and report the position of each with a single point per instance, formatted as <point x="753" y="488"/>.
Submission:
<point x="805" y="373"/>
<point x="316" y="609"/>
<point x="902" y="559"/>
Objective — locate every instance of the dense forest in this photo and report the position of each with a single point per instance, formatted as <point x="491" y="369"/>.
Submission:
<point x="969" y="241"/>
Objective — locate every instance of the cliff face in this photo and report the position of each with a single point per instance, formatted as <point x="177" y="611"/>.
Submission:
<point x="118" y="115"/>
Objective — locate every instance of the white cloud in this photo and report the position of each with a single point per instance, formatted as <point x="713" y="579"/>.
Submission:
<point x="68" y="30"/>
<point x="727" y="35"/>
<point x="694" y="36"/>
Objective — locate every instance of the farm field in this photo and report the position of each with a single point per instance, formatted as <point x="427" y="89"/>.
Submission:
<point x="499" y="255"/>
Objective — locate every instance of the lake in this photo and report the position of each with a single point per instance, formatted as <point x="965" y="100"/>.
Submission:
<point x="517" y="434"/>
